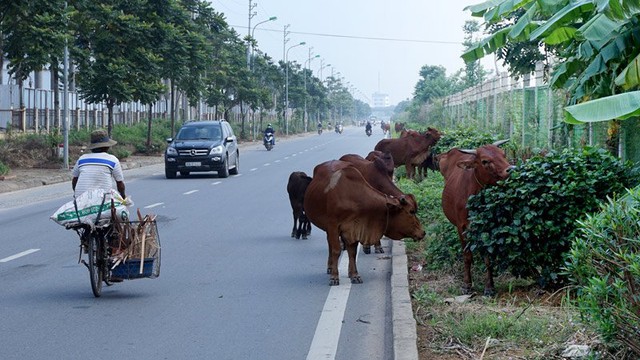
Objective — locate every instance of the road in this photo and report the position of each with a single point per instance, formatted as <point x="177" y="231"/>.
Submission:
<point x="233" y="284"/>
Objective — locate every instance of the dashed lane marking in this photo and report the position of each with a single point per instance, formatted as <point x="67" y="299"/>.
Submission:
<point x="254" y="169"/>
<point x="18" y="255"/>
<point x="190" y="192"/>
<point x="153" y="205"/>
<point x="216" y="182"/>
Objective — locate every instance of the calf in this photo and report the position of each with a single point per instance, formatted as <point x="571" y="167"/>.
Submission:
<point x="296" y="187"/>
<point x="465" y="173"/>
<point x="410" y="149"/>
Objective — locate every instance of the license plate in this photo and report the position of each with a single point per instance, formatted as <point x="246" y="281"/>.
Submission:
<point x="193" y="163"/>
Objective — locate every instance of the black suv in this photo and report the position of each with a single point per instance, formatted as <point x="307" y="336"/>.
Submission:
<point x="203" y="146"/>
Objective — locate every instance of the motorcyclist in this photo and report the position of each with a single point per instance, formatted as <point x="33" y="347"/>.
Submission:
<point x="269" y="129"/>
<point x="368" y="126"/>
<point x="319" y="126"/>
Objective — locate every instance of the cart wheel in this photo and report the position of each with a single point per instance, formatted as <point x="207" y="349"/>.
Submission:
<point x="95" y="265"/>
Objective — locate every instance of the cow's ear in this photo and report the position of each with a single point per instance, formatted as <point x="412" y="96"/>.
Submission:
<point x="466" y="164"/>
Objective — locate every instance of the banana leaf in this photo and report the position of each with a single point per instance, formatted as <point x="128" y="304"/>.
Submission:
<point x="620" y="107"/>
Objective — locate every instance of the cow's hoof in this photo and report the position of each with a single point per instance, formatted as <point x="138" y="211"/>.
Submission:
<point x="366" y="249"/>
<point x="356" y="280"/>
<point x="293" y="234"/>
<point x="379" y="250"/>
<point x="334" y="282"/>
<point x="304" y="237"/>
<point x="489" y="292"/>
<point x="329" y="271"/>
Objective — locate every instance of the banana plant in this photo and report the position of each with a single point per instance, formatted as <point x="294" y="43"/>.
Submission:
<point x="595" y="42"/>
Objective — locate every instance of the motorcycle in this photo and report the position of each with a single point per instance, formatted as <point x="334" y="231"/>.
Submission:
<point x="268" y="141"/>
<point x="320" y="131"/>
<point x="368" y="132"/>
<point x="339" y="129"/>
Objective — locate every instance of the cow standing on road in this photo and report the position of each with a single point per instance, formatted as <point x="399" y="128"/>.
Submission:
<point x="465" y="173"/>
<point x="343" y="204"/>
<point x="375" y="172"/>
<point x="296" y="187"/>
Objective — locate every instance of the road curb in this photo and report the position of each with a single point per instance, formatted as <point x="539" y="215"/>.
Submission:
<point x="405" y="344"/>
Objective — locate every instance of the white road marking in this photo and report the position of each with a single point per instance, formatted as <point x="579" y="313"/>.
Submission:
<point x="237" y="175"/>
<point x="277" y="161"/>
<point x="254" y="169"/>
<point x="216" y="183"/>
<point x="153" y="205"/>
<point x="327" y="335"/>
<point x="294" y="154"/>
<point x="18" y="255"/>
<point x="267" y="164"/>
<point x="190" y="192"/>
<point x="286" y="157"/>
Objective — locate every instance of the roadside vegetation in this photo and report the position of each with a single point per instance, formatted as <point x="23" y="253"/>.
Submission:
<point x="40" y="150"/>
<point x="559" y="287"/>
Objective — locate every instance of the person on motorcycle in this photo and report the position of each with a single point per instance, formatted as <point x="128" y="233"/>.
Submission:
<point x="368" y="127"/>
<point x="269" y="129"/>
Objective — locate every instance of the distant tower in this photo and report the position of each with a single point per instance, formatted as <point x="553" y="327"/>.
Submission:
<point x="380" y="99"/>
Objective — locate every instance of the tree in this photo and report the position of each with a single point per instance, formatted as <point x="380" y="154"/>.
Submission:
<point x="474" y="73"/>
<point x="112" y="52"/>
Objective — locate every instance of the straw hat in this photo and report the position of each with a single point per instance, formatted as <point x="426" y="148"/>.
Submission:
<point x="100" y="139"/>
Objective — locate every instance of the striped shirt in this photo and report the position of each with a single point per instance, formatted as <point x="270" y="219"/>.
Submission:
<point x="96" y="171"/>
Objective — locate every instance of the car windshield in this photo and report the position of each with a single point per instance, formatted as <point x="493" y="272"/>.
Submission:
<point x="199" y="133"/>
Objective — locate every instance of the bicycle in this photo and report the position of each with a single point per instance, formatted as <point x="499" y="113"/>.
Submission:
<point x="116" y="248"/>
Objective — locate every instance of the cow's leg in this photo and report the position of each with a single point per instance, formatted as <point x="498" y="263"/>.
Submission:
<point x="378" y="248"/>
<point x="489" y="288"/>
<point x="305" y="227"/>
<point x="468" y="260"/>
<point x="295" y="222"/>
<point x="335" y="248"/>
<point x="410" y="170"/>
<point x="352" y="249"/>
<point x="366" y="249"/>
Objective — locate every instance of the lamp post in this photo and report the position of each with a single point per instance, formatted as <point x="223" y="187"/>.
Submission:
<point x="322" y="66"/>
<point x="305" y="116"/>
<point x="251" y="15"/>
<point x="253" y="31"/>
<point x="286" y="85"/>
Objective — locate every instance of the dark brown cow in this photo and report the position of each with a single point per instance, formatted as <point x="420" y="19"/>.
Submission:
<point x="398" y="127"/>
<point x="410" y="150"/>
<point x="343" y="204"/>
<point x="465" y="173"/>
<point x="430" y="163"/>
<point x="386" y="127"/>
<point x="376" y="173"/>
<point x="296" y="187"/>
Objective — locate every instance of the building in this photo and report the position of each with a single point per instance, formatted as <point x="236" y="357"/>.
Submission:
<point x="380" y="100"/>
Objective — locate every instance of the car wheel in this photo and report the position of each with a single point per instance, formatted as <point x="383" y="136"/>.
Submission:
<point x="169" y="174"/>
<point x="225" y="169"/>
<point x="236" y="168"/>
<point x="184" y="173"/>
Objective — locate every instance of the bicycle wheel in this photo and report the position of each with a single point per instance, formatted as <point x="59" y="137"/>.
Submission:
<point x="95" y="264"/>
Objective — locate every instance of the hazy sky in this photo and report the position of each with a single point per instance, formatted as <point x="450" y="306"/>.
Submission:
<point x="376" y="45"/>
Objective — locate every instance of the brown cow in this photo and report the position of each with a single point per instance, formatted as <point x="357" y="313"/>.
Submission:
<point x="386" y="127"/>
<point x="296" y="187"/>
<point x="410" y="150"/>
<point x="376" y="173"/>
<point x="465" y="173"/>
<point x="343" y="204"/>
<point x="398" y="127"/>
<point x="386" y="157"/>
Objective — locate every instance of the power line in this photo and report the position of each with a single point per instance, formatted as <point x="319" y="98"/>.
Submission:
<point x="362" y="37"/>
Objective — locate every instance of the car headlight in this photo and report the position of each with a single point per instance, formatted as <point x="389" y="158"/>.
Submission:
<point x="217" y="150"/>
<point x="172" y="151"/>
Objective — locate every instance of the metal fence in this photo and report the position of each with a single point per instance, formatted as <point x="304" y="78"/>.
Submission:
<point x="530" y="112"/>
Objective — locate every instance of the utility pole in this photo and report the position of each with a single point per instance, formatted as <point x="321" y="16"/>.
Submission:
<point x="251" y="15"/>
<point x="65" y="97"/>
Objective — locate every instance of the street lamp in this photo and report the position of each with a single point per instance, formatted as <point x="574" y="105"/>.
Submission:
<point x="253" y="31"/>
<point x="305" y="116"/>
<point x="322" y="66"/>
<point x="286" y="85"/>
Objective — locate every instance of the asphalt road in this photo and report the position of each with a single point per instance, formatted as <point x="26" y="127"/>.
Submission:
<point x="233" y="284"/>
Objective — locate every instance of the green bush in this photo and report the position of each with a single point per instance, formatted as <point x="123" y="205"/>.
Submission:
<point x="604" y="263"/>
<point x="4" y="169"/>
<point x="526" y="225"/>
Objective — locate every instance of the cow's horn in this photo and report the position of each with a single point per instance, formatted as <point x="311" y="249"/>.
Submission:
<point x="500" y="142"/>
<point x="469" y="151"/>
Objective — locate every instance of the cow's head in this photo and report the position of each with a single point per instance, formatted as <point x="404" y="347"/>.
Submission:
<point x="489" y="163"/>
<point x="383" y="162"/>
<point x="401" y="220"/>
<point x="433" y="134"/>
